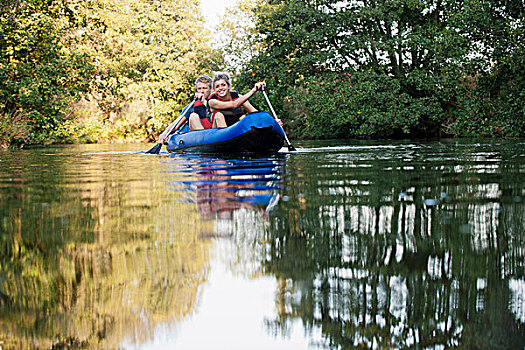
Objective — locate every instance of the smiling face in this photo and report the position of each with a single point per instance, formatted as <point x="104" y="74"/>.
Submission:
<point x="222" y="89"/>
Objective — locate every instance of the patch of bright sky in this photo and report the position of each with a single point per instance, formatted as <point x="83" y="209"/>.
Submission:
<point x="213" y="11"/>
<point x="233" y="312"/>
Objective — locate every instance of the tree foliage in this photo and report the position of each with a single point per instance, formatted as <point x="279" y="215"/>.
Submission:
<point x="237" y="36"/>
<point x="147" y="54"/>
<point x="38" y="74"/>
<point x="417" y="68"/>
<point x="111" y="69"/>
<point x="98" y="69"/>
<point x="496" y="106"/>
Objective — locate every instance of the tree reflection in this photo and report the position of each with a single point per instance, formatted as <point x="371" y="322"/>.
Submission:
<point x="93" y="254"/>
<point x="387" y="250"/>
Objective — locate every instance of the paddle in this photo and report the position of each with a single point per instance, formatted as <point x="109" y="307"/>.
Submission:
<point x="290" y="147"/>
<point x="156" y="149"/>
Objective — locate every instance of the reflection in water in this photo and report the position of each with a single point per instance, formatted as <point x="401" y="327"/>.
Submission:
<point x="93" y="253"/>
<point x="99" y="248"/>
<point x="407" y="246"/>
<point x="221" y="187"/>
<point x="232" y="195"/>
<point x="369" y="245"/>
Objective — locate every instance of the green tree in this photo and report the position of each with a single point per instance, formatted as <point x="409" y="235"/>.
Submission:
<point x="237" y="37"/>
<point x="147" y="55"/>
<point x="98" y="69"/>
<point x="496" y="106"/>
<point x="412" y="63"/>
<point x="38" y="75"/>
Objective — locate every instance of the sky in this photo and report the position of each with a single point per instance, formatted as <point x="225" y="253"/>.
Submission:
<point x="213" y="10"/>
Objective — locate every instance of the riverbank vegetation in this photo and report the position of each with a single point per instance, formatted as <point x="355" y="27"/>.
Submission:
<point x="400" y="68"/>
<point x="86" y="71"/>
<point x="112" y="70"/>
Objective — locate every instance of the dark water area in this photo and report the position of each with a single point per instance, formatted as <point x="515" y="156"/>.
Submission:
<point x="341" y="245"/>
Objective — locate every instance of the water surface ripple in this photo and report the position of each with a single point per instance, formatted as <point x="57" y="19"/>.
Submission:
<point x="340" y="245"/>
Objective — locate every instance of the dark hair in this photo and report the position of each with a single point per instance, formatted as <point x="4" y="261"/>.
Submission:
<point x="221" y="76"/>
<point x="205" y="78"/>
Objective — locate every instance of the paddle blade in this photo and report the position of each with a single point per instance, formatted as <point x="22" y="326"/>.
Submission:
<point x="155" y="149"/>
<point x="291" y="148"/>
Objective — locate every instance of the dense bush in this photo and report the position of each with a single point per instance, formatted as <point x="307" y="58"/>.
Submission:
<point x="418" y="68"/>
<point x="39" y="76"/>
<point x="131" y="64"/>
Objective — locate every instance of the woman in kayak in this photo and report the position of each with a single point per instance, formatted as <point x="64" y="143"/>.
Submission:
<point x="228" y="107"/>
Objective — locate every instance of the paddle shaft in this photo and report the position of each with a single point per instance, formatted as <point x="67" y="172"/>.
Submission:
<point x="290" y="147"/>
<point x="156" y="149"/>
<point x="180" y="117"/>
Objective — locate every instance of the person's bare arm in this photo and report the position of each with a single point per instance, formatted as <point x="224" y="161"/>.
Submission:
<point x="164" y="136"/>
<point x="180" y="123"/>
<point x="217" y="104"/>
<point x="248" y="107"/>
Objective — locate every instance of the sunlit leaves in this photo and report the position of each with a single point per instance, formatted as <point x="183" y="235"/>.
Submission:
<point x="39" y="75"/>
<point x="237" y="37"/>
<point x="120" y="55"/>
<point x="147" y="54"/>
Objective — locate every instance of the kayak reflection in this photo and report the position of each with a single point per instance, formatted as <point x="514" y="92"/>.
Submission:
<point x="220" y="186"/>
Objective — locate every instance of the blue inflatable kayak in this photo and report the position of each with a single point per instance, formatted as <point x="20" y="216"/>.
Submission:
<point x="256" y="133"/>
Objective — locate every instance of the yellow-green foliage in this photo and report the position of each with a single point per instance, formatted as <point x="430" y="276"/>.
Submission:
<point x="135" y="61"/>
<point x="13" y="129"/>
<point x="94" y="267"/>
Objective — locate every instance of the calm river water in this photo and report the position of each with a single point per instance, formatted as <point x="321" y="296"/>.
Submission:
<point x="380" y="245"/>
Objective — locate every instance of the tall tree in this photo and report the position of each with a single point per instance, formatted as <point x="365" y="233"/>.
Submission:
<point x="412" y="62"/>
<point x="147" y="54"/>
<point x="497" y="107"/>
<point x="237" y="37"/>
<point x="133" y="62"/>
<point x="38" y="74"/>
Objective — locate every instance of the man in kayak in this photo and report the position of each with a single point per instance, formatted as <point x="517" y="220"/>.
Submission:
<point x="228" y="107"/>
<point x="199" y="118"/>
